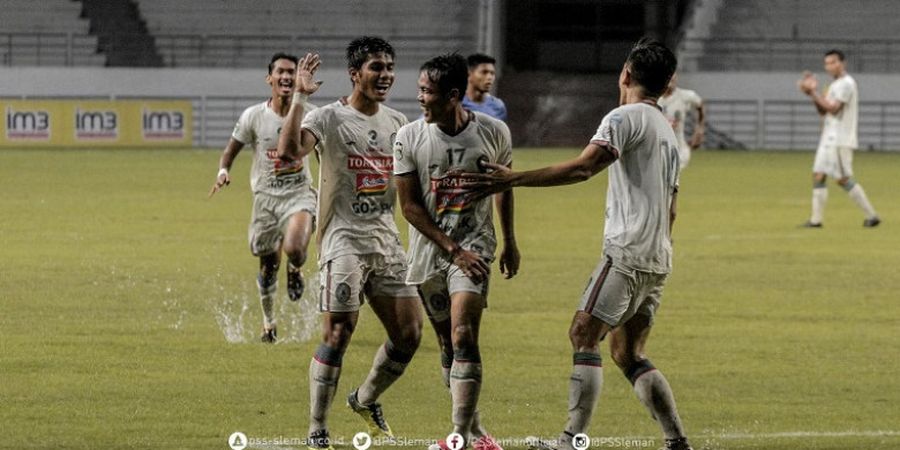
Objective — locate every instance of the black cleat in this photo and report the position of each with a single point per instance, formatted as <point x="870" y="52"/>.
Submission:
<point x="319" y="440"/>
<point x="295" y="284"/>
<point x="269" y="335"/>
<point x="873" y="222"/>
<point x="811" y="224"/>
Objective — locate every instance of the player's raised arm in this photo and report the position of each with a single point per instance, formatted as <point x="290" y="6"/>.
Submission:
<point x="223" y="178"/>
<point x="294" y="142"/>
<point x="415" y="212"/>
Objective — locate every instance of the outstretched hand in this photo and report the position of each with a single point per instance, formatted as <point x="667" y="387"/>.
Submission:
<point x="498" y="178"/>
<point x="305" y="82"/>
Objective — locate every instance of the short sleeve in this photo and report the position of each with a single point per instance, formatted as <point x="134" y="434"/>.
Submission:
<point x="404" y="162"/>
<point x="840" y="91"/>
<point x="504" y="145"/>
<point x="614" y="130"/>
<point x="694" y="99"/>
<point x="501" y="110"/>
<point x="314" y="121"/>
<point x="243" y="129"/>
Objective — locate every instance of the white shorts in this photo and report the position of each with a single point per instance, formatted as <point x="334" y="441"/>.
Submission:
<point x="270" y="217"/>
<point x="615" y="294"/>
<point x="440" y="286"/>
<point x="836" y="162"/>
<point x="345" y="279"/>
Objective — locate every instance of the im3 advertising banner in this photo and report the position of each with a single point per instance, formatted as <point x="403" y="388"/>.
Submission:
<point x="92" y="123"/>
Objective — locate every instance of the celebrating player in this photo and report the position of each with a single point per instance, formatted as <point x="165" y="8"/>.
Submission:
<point x="284" y="204"/>
<point x="638" y="145"/>
<point x="359" y="245"/>
<point x="478" y="92"/>
<point x="676" y="104"/>
<point x="452" y="238"/>
<point x="834" y="156"/>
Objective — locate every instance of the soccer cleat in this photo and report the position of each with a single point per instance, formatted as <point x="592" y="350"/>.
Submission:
<point x="486" y="442"/>
<point x="319" y="440"/>
<point x="678" y="444"/>
<point x="295" y="284"/>
<point x="269" y="335"/>
<point x="811" y="224"/>
<point x="372" y="415"/>
<point x="873" y="222"/>
<point x="536" y="443"/>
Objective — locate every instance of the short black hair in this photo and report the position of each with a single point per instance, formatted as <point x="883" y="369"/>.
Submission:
<point x="835" y="52"/>
<point x="651" y="65"/>
<point x="360" y="48"/>
<point x="282" y="55"/>
<point x="449" y="71"/>
<point x="476" y="59"/>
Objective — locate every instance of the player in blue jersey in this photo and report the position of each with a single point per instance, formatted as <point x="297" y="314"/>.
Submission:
<point x="478" y="93"/>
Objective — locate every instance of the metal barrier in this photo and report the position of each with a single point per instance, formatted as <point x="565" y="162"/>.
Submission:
<point x="794" y="125"/>
<point x="782" y="54"/>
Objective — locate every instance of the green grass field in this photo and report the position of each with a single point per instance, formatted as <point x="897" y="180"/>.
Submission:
<point x="129" y="315"/>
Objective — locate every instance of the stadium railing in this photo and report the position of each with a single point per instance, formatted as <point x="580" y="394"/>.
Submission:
<point x="786" y="54"/>
<point x="793" y="125"/>
<point x="49" y="49"/>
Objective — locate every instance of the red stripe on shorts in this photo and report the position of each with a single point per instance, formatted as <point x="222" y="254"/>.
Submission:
<point x="595" y="293"/>
<point x="328" y="288"/>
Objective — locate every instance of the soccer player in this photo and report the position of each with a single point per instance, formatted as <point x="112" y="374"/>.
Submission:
<point x="284" y="204"/>
<point x="452" y="239"/>
<point x="834" y="157"/>
<point x="360" y="254"/>
<point x="637" y="144"/>
<point x="676" y="104"/>
<point x="478" y="91"/>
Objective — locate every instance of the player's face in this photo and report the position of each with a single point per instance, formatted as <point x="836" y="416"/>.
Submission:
<point x="436" y="107"/>
<point x="834" y="66"/>
<point x="375" y="78"/>
<point x="282" y="78"/>
<point x="482" y="77"/>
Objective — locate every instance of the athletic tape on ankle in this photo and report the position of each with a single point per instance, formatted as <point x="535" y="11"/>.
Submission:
<point x="637" y="369"/>
<point x="329" y="356"/>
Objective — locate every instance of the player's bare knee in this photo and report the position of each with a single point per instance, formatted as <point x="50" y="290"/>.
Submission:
<point x="623" y="357"/>
<point x="583" y="337"/>
<point x="410" y="337"/>
<point x="464" y="337"/>
<point x="338" y="335"/>
<point x="297" y="256"/>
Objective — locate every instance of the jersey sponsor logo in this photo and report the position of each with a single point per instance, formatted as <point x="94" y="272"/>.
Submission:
<point x="372" y="183"/>
<point x="163" y="125"/>
<point x="375" y="163"/>
<point x="96" y="124"/>
<point x="32" y="125"/>
<point x="281" y="167"/>
<point x="451" y="195"/>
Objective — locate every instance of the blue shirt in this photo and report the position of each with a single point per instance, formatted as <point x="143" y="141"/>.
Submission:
<point x="491" y="106"/>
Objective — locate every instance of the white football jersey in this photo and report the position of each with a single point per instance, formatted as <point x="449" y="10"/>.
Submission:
<point x="356" y="187"/>
<point x="259" y="128"/>
<point x="676" y="107"/>
<point x="839" y="130"/>
<point x="642" y="183"/>
<point x="426" y="151"/>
